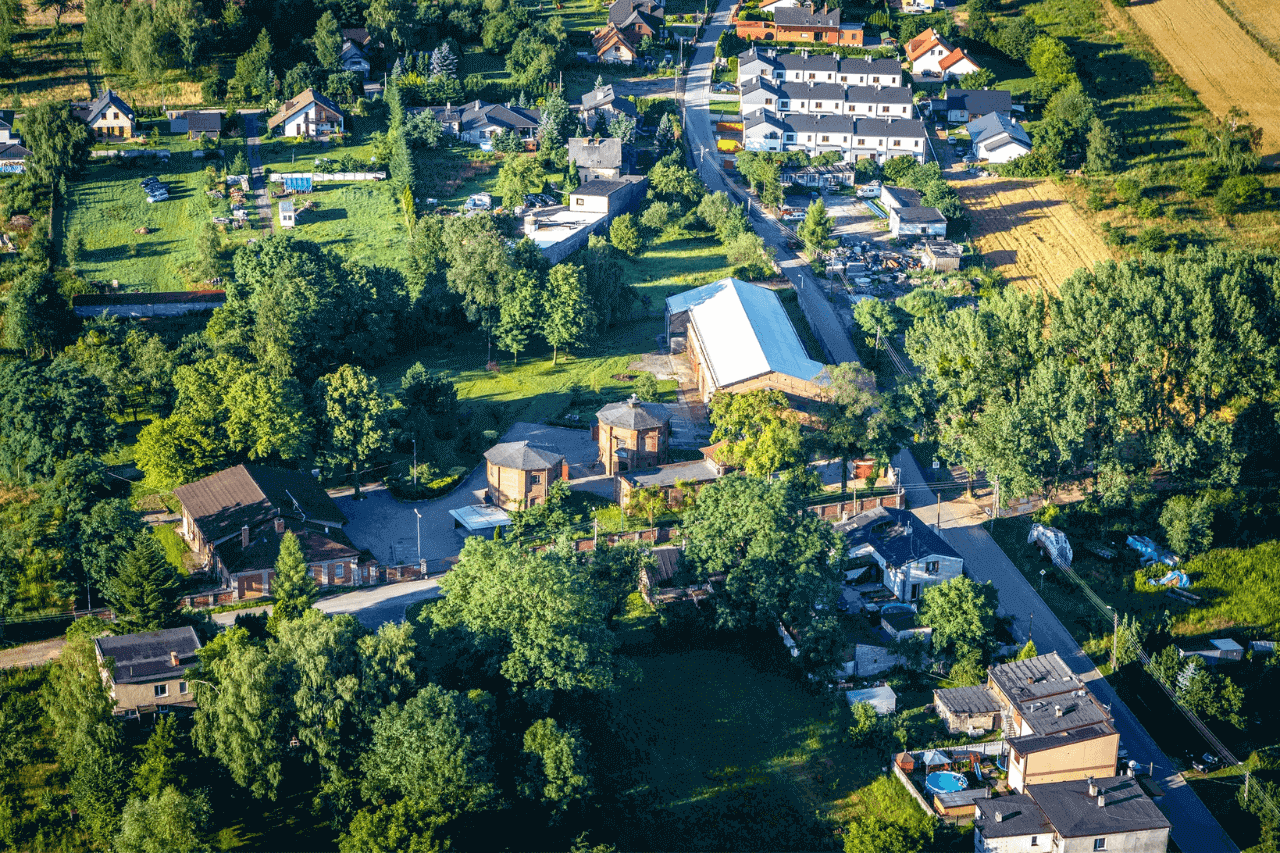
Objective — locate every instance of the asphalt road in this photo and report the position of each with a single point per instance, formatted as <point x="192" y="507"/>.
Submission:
<point x="702" y="141"/>
<point x="1194" y="827"/>
<point x="371" y="606"/>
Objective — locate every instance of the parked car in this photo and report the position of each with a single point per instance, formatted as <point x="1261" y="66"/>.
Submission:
<point x="792" y="214"/>
<point x="152" y="199"/>
<point x="146" y="182"/>
<point x="871" y="190"/>
<point x="1206" y="763"/>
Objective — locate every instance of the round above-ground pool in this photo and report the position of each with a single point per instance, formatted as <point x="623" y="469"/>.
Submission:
<point x="897" y="608"/>
<point x="945" y="782"/>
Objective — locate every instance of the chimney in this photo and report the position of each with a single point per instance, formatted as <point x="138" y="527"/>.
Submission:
<point x="1093" y="787"/>
<point x="173" y="659"/>
<point x="633" y="401"/>
<point x="1030" y="680"/>
<point x="1102" y="800"/>
<point x="244" y="536"/>
<point x="1057" y="710"/>
<point x="279" y="524"/>
<point x="999" y="816"/>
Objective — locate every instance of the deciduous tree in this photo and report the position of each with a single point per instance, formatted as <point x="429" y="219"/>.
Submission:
<point x="59" y="142"/>
<point x="761" y="433"/>
<point x="624" y="235"/>
<point x="168" y="822"/>
<point x="327" y="42"/>
<point x="961" y="613"/>
<point x="554" y="770"/>
<point x="353" y="421"/>
<point x="566" y="309"/>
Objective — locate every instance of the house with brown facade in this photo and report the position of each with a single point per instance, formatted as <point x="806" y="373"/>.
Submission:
<point x="234" y="521"/>
<point x="519" y="474"/>
<point x="739" y="338"/>
<point x="677" y="480"/>
<point x="146" y="672"/>
<point x="632" y="435"/>
<point x="108" y="116"/>
<point x="804" y="24"/>
<point x="1055" y="727"/>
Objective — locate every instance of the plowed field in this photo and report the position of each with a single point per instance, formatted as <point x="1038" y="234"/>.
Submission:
<point x="1260" y="18"/>
<point x="1028" y="231"/>
<point x="1217" y="59"/>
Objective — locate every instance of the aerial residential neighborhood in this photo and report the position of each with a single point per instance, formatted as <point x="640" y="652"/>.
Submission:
<point x="648" y="425"/>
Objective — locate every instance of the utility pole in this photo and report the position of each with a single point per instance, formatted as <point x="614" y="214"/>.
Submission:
<point x="1031" y="620"/>
<point x="938" y="524"/>
<point x="1115" y="636"/>
<point x="995" y="504"/>
<point x="419" y="515"/>
<point x="415" y="461"/>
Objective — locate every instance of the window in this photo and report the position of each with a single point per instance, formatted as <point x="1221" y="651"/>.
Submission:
<point x="897" y="143"/>
<point x="578" y="200"/>
<point x="826" y="138"/>
<point x="790" y="137"/>
<point x="535" y="479"/>
<point x="784" y="105"/>
<point x="1099" y="844"/>
<point x="115" y="116"/>
<point x="160" y="690"/>
<point x="339" y="570"/>
<point x="875" y="79"/>
<point x="183" y="688"/>
<point x="768" y="101"/>
<point x="915" y="594"/>
<point x="813" y="76"/>
<point x="884" y="109"/>
<point x="1035" y="841"/>
<point x="817" y="105"/>
<point x="917" y="143"/>
<point x="862" y="143"/>
<point x="931" y="567"/>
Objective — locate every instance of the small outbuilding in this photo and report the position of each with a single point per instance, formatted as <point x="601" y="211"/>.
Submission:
<point x="519" y="474"/>
<point x="288" y="216"/>
<point x="882" y="698"/>
<point x="479" y="520"/>
<point x="941" y="255"/>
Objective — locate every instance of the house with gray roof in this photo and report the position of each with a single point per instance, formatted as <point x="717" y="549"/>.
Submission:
<point x="632" y="434"/>
<point x="519" y="474"/>
<point x="803" y="67"/>
<point x="813" y="98"/>
<point x="478" y="122"/>
<point x="108" y="116"/>
<point x="908" y="217"/>
<point x="854" y="138"/>
<point x="910" y="555"/>
<point x="146" y="672"/>
<point x="604" y="104"/>
<point x="739" y="338"/>
<point x="1075" y="816"/>
<point x="597" y="158"/>
<point x="998" y="138"/>
<point x="961" y="106"/>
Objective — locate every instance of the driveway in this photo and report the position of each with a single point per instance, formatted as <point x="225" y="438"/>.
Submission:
<point x="702" y="141"/>
<point x="390" y="529"/>
<point x="257" y="181"/>
<point x="1194" y="827"/>
<point x="371" y="607"/>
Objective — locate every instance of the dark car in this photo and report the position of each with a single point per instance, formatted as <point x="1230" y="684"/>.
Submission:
<point x="1206" y="763"/>
<point x="149" y="181"/>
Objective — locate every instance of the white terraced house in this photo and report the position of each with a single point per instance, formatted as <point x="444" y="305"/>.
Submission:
<point x="826" y="99"/>
<point x="819" y="68"/>
<point x="854" y="138"/>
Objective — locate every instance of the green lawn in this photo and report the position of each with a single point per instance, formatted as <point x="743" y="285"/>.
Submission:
<point x="791" y="301"/>
<point x="455" y="171"/>
<point x="293" y="154"/>
<point x="108" y="207"/>
<point x="360" y="220"/>
<point x="731" y="108"/>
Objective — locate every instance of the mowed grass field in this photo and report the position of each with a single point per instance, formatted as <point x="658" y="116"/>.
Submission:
<point x="359" y="220"/>
<point x="1028" y="231"/>
<point x="1217" y="59"/>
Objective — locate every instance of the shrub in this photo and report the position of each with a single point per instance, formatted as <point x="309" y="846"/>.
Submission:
<point x="1128" y="191"/>
<point x="1238" y="193"/>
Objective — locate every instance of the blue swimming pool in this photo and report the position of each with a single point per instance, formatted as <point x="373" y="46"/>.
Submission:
<point x="897" y="608"/>
<point x="945" y="782"/>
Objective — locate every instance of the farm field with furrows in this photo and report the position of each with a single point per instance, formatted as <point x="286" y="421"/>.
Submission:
<point x="1260" y="18"/>
<point x="1029" y="232"/>
<point x="1217" y="59"/>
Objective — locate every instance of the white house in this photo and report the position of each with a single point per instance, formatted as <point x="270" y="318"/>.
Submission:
<point x="854" y="138"/>
<point x="812" y="98"/>
<point x="1109" y="813"/>
<point x="909" y="554"/>
<point x="310" y="114"/>
<point x="998" y="139"/>
<point x="819" y="68"/>
<point x="479" y="122"/>
<point x="908" y="217"/>
<point x="932" y="56"/>
<point x="353" y="58"/>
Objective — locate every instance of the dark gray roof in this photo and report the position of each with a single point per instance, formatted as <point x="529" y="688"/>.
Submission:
<point x="980" y="101"/>
<point x="921" y="215"/>
<point x="901" y="620"/>
<point x="943" y="248"/>
<point x="478" y="114"/>
<point x="666" y="562"/>
<point x="967" y="700"/>
<point x="523" y="456"/>
<point x="901" y="196"/>
<point x="622" y="10"/>
<point x="600" y="187"/>
<point x="1027" y="744"/>
<point x="1019" y="815"/>
<point x="895" y="534"/>
<point x="698" y="471"/>
<point x="107" y="98"/>
<point x="633" y="414"/>
<point x="873" y="127"/>
<point x="807" y="16"/>
<point x="993" y="125"/>
<point x="140" y="658"/>
<point x="596" y="153"/>
<point x="1077" y="710"/>
<point x="198" y="121"/>
<point x="13" y="151"/>
<point x="1075" y="814"/>
<point x="809" y="90"/>
<point x="951" y="799"/>
<point x="6" y="119"/>
<point x="222" y="503"/>
<point x="820" y="62"/>
<point x="1035" y="678"/>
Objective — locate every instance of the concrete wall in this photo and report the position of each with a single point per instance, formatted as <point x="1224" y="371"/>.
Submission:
<point x="129" y="696"/>
<point x="1078" y="760"/>
<point x="1145" y="841"/>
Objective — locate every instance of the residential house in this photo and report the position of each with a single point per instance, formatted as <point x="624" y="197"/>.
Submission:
<point x="831" y="177"/>
<point x="610" y="198"/>
<point x="310" y="114"/>
<point x="941" y="255"/>
<point x="13" y="158"/>
<point x="739" y="338"/>
<point x="961" y="106"/>
<point x="108" y="116"/>
<point x="605" y="105"/>
<point x="1213" y="651"/>
<point x="677" y="480"/>
<point x="805" y="24"/>
<point x="908" y="217"/>
<point x="774" y="5"/>
<point x="196" y="124"/>
<point x="359" y="36"/>
<point x="1055" y="727"/>
<point x="234" y="521"/>
<point x="998" y="139"/>
<point x="519" y="474"/>
<point x="802" y="67"/>
<point x="814" y="98"/>
<point x="622" y="11"/>
<point x="933" y="58"/>
<point x="853" y="138"/>
<point x="612" y="45"/>
<point x="479" y="122"/>
<point x="597" y="158"/>
<point x="1104" y="813"/>
<point x="911" y="557"/>
<point x="8" y="136"/>
<point x="353" y="58"/>
<point x="146" y="672"/>
<point x="632" y="435"/>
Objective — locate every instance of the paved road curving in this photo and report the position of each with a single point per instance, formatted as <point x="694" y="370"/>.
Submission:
<point x="1194" y="827"/>
<point x="702" y="140"/>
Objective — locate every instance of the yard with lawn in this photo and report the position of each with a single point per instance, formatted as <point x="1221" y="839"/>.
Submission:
<point x="361" y="220"/>
<point x="455" y="171"/>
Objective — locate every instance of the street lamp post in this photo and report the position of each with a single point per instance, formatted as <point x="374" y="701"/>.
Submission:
<point x="415" y="461"/>
<point x="419" y="523"/>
